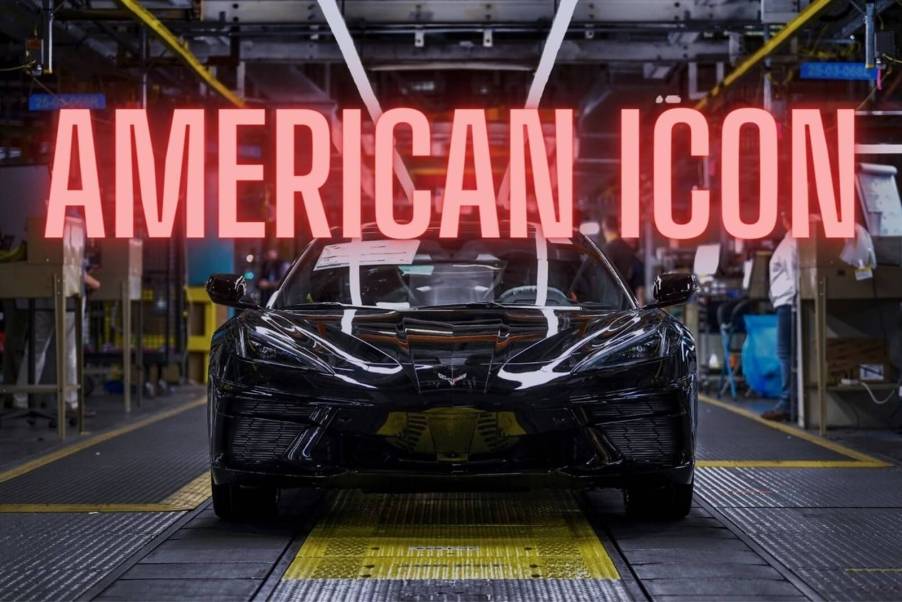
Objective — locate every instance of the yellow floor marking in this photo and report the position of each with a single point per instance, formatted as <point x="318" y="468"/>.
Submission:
<point x="453" y="536"/>
<point x="188" y="497"/>
<point x="78" y="446"/>
<point x="193" y="494"/>
<point x="876" y="570"/>
<point x="786" y="464"/>
<point x="860" y="460"/>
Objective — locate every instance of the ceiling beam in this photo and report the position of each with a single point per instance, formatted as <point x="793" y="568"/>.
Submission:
<point x="352" y="59"/>
<point x="177" y="47"/>
<point x="488" y="13"/>
<point x="525" y="53"/>
<point x="788" y="31"/>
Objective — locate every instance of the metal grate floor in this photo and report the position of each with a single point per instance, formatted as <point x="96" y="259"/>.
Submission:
<point x="59" y="556"/>
<point x="836" y="529"/>
<point x="479" y="590"/>
<point x="842" y="553"/>
<point x="738" y="438"/>
<point x="464" y="546"/>
<point x="453" y="536"/>
<point x="143" y="466"/>
<point x="801" y="488"/>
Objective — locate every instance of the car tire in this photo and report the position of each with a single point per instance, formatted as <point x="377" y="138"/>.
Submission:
<point x="668" y="502"/>
<point x="233" y="502"/>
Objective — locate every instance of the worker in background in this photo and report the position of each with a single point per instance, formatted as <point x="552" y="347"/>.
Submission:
<point x="784" y="286"/>
<point x="272" y="270"/>
<point x="622" y="255"/>
<point x="43" y="335"/>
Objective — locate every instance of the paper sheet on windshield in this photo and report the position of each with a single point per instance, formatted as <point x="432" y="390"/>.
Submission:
<point x="367" y="252"/>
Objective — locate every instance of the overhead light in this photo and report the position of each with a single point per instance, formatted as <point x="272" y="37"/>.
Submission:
<point x="452" y="66"/>
<point x="589" y="228"/>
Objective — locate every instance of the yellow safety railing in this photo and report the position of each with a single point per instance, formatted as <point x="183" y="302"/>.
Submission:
<point x="203" y="319"/>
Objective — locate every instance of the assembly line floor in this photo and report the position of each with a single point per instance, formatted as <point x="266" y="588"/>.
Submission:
<point x="124" y="514"/>
<point x="23" y="437"/>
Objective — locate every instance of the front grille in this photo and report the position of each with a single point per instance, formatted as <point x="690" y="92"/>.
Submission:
<point x="653" y="440"/>
<point x="453" y="434"/>
<point x="273" y="407"/>
<point x="259" y="440"/>
<point x="604" y="409"/>
<point x="533" y="452"/>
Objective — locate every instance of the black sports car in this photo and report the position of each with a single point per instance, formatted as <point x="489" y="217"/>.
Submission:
<point x="452" y="364"/>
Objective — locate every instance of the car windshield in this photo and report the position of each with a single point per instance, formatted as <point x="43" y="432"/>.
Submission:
<point x="434" y="272"/>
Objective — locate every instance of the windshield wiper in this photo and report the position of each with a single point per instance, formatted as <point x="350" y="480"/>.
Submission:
<point x="320" y="305"/>
<point x="597" y="305"/>
<point x="337" y="305"/>
<point x="473" y="305"/>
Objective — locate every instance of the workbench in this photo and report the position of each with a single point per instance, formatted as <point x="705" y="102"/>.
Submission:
<point x="831" y="295"/>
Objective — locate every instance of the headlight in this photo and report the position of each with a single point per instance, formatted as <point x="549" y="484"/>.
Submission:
<point x="275" y="350"/>
<point x="638" y="348"/>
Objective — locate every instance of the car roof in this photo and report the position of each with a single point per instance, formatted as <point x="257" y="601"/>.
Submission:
<point x="466" y="229"/>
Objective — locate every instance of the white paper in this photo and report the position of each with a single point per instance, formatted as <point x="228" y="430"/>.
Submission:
<point x="368" y="252"/>
<point x="879" y="194"/>
<point x="871" y="372"/>
<point x="707" y="259"/>
<point x="747" y="267"/>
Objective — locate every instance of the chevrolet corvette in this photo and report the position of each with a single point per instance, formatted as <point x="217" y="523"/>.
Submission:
<point x="437" y="364"/>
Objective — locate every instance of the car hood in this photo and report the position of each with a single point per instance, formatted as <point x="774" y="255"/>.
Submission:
<point x="459" y="349"/>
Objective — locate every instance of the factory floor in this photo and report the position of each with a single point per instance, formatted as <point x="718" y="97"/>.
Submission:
<point x="23" y="437"/>
<point x="780" y="514"/>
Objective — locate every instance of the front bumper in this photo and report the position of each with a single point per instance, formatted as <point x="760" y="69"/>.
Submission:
<point x="578" y="438"/>
<point x="407" y="482"/>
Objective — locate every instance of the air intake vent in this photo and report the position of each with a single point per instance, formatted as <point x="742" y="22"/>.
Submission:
<point x="607" y="409"/>
<point x="652" y="440"/>
<point x="258" y="440"/>
<point x="274" y="407"/>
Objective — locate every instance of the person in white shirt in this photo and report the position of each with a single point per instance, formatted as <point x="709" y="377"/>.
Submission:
<point x="784" y="286"/>
<point x="43" y="336"/>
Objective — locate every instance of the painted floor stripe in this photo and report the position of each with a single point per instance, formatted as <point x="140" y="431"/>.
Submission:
<point x="859" y="459"/>
<point x="788" y="464"/>
<point x="453" y="536"/>
<point x="193" y="494"/>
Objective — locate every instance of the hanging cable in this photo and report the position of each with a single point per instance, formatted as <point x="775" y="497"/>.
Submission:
<point x="880" y="402"/>
<point x="22" y="67"/>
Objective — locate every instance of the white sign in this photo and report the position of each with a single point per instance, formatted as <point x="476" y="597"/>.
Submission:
<point x="367" y="252"/>
<point x="707" y="260"/>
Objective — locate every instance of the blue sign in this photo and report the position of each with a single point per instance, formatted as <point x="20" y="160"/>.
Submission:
<point x="55" y="102"/>
<point x="833" y="70"/>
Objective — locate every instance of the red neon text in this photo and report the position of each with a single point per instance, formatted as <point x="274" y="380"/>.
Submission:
<point x="534" y="173"/>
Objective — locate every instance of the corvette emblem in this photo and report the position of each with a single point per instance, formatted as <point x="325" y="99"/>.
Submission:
<point x="452" y="380"/>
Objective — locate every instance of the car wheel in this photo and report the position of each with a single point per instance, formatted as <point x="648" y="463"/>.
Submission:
<point x="233" y="502"/>
<point x="668" y="502"/>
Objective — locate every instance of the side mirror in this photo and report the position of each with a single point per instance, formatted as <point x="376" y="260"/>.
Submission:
<point x="230" y="290"/>
<point x="673" y="288"/>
